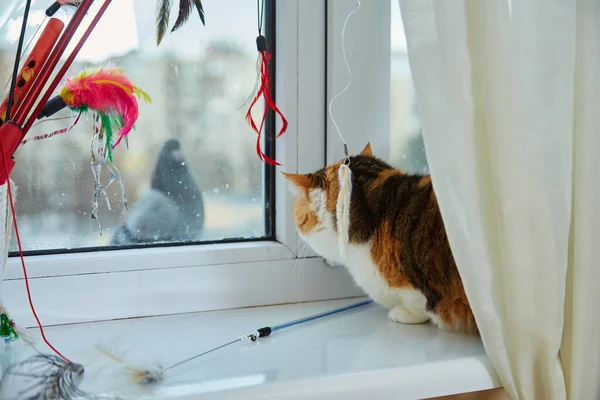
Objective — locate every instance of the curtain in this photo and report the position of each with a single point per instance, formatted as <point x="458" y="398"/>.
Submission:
<point x="509" y="100"/>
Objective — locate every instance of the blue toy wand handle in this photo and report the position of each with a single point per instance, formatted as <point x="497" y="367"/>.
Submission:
<point x="267" y="330"/>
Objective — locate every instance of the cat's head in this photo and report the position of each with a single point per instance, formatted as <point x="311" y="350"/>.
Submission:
<point x="316" y="200"/>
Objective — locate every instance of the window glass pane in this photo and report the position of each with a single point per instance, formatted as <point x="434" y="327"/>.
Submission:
<point x="210" y="183"/>
<point x="407" y="150"/>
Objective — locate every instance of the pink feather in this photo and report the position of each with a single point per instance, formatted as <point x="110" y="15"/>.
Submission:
<point x="106" y="91"/>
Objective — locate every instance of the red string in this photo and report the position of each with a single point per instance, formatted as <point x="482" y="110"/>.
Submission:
<point x="265" y="91"/>
<point x="14" y="216"/>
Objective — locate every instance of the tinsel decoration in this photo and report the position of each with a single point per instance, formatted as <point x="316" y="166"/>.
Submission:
<point x="186" y="7"/>
<point x="7" y="329"/>
<point x="42" y="376"/>
<point x="113" y="102"/>
<point x="101" y="156"/>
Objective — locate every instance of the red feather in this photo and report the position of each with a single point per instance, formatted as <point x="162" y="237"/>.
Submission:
<point x="107" y="91"/>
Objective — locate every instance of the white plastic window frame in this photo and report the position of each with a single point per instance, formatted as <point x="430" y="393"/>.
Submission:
<point x="105" y="285"/>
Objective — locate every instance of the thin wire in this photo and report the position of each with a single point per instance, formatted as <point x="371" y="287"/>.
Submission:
<point x="276" y="328"/>
<point x="203" y="354"/>
<point x="27" y="47"/>
<point x="53" y="119"/>
<point x="349" y="78"/>
<point x="260" y="12"/>
<point x="13" y="82"/>
<point x="6" y="171"/>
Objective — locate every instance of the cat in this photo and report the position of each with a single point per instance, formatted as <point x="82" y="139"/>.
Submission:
<point x="398" y="251"/>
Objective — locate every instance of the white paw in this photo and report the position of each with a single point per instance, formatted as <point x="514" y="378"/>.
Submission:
<point x="404" y="316"/>
<point x="333" y="263"/>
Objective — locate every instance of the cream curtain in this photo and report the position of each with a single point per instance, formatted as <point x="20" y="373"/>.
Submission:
<point x="509" y="97"/>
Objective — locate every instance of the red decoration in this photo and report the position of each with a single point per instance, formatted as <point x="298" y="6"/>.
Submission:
<point x="264" y="91"/>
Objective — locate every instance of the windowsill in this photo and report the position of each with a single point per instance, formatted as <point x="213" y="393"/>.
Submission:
<point x="356" y="354"/>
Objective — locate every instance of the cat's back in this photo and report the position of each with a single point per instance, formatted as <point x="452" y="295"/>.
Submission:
<point x="396" y="218"/>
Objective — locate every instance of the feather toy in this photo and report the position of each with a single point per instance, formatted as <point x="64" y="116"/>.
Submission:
<point x="186" y="7"/>
<point x="156" y="374"/>
<point x="263" y="90"/>
<point x="107" y="92"/>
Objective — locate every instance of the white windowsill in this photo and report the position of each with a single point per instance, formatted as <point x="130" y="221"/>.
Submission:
<point x="356" y="354"/>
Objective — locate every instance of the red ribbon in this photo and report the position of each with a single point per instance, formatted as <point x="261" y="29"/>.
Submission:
<point x="264" y="90"/>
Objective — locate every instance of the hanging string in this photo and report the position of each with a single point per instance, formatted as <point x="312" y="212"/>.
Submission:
<point x="344" y="172"/>
<point x="260" y="12"/>
<point x="263" y="89"/>
<point x="5" y="156"/>
<point x="27" y="47"/>
<point x="51" y="120"/>
<point x="25" y="276"/>
<point x="349" y="80"/>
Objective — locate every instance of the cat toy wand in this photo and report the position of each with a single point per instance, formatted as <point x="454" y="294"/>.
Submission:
<point x="26" y="89"/>
<point x="156" y="375"/>
<point x="14" y="130"/>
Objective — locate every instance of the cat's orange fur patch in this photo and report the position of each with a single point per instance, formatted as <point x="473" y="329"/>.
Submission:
<point x="454" y="310"/>
<point x="426" y="180"/>
<point x="333" y="186"/>
<point x="305" y="218"/>
<point x="301" y="181"/>
<point x="385" y="249"/>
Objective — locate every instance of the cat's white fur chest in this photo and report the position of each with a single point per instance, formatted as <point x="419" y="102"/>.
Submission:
<point x="406" y="305"/>
<point x="367" y="276"/>
<point x="364" y="271"/>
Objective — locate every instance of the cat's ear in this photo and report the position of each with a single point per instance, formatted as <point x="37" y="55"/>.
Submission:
<point x="367" y="151"/>
<point x="301" y="181"/>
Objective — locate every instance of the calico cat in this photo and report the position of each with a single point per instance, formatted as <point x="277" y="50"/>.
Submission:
<point x="398" y="251"/>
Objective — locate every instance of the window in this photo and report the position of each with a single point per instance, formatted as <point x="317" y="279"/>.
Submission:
<point x="363" y="112"/>
<point x="213" y="189"/>
<point x="380" y="105"/>
<point x="211" y="273"/>
<point x="248" y="254"/>
<point x="407" y="150"/>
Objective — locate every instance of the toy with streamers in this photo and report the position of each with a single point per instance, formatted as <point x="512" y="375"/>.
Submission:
<point x="263" y="89"/>
<point x="113" y="100"/>
<point x="100" y="149"/>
